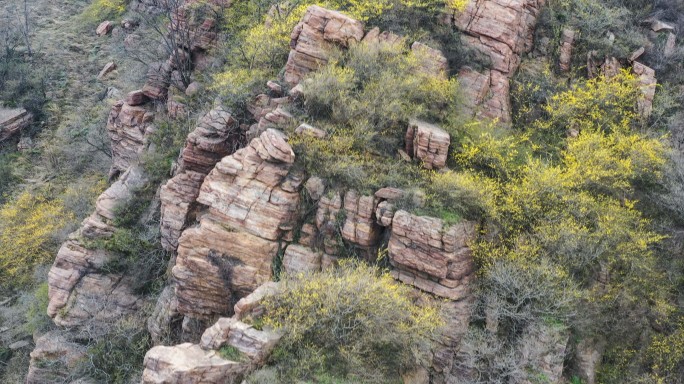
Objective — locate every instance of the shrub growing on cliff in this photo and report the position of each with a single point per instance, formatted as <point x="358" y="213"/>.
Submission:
<point x="352" y="322"/>
<point x="27" y="226"/>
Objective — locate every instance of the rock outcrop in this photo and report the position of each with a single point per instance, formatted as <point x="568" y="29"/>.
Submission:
<point x="216" y="136"/>
<point x="311" y="41"/>
<point x="128" y="127"/>
<point x="12" y="121"/>
<point x="201" y="363"/>
<point x="566" y="44"/>
<point x="431" y="257"/>
<point x="251" y="201"/>
<point x="78" y="289"/>
<point x="502" y="30"/>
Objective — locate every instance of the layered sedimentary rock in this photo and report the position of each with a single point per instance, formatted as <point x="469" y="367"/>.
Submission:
<point x="251" y="201"/>
<point x="427" y="143"/>
<point x="216" y="136"/>
<point x="199" y="363"/>
<point x="128" y="127"/>
<point x="431" y="257"/>
<point x="311" y="41"/>
<point x="501" y="30"/>
<point x="12" y="121"/>
<point x="78" y="291"/>
<point x="298" y="259"/>
<point x="647" y="85"/>
<point x="350" y="216"/>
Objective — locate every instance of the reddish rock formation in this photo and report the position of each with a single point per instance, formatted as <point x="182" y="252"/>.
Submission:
<point x="502" y="30"/>
<point x="252" y="201"/>
<point x="216" y="136"/>
<point x="127" y="127"/>
<point x="256" y="345"/>
<point x="12" y="121"/>
<point x="352" y="217"/>
<point x="431" y="257"/>
<point x="311" y="40"/>
<point x="77" y="290"/>
<point x="427" y="143"/>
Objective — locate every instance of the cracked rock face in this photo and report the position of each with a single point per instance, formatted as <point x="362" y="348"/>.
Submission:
<point x="251" y="201"/>
<point x="216" y="136"/>
<point x="431" y="257"/>
<point x="502" y="30"/>
<point x="428" y="143"/>
<point x="53" y="358"/>
<point x="318" y="32"/>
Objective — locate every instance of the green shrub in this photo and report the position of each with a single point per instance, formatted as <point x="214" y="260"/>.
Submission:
<point x="353" y="322"/>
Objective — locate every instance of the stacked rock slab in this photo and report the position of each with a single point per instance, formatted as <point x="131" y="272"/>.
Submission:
<point x="312" y="39"/>
<point x="430" y="256"/>
<point x="128" y="127"/>
<point x="251" y="201"/>
<point x="54" y="358"/>
<point x="200" y="363"/>
<point x="216" y="136"/>
<point x="502" y="30"/>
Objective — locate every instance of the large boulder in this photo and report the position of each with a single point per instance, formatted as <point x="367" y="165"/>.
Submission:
<point x="55" y="356"/>
<point x="312" y="39"/>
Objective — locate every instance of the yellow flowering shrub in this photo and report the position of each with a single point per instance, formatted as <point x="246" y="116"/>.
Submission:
<point x="27" y="226"/>
<point x="100" y="10"/>
<point x="353" y="322"/>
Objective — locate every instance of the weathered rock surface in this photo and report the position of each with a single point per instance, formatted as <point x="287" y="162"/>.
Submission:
<point x="502" y="30"/>
<point x="158" y="80"/>
<point x="358" y="226"/>
<point x="250" y="305"/>
<point x="216" y="136"/>
<point x="53" y="358"/>
<point x="312" y="39"/>
<point x="165" y="319"/>
<point x="77" y="290"/>
<point x="12" y="121"/>
<point x="428" y="143"/>
<point x="251" y="201"/>
<point x="104" y="28"/>
<point x="301" y="259"/>
<point x="430" y="257"/>
<point x="189" y="364"/>
<point x="255" y="344"/>
<point x="128" y="128"/>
